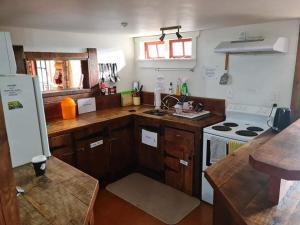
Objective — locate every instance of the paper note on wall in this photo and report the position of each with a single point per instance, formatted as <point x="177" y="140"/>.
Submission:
<point x="149" y="138"/>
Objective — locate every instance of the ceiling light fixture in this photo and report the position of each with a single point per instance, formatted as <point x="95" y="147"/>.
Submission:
<point x="162" y="37"/>
<point x="179" y="36"/>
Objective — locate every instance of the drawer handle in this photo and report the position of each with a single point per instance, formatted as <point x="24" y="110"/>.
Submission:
<point x="183" y="162"/>
<point x="96" y="143"/>
<point x="178" y="135"/>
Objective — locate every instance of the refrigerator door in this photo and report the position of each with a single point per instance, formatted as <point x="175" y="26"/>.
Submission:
<point x="41" y="115"/>
<point x="7" y="57"/>
<point x="21" y="118"/>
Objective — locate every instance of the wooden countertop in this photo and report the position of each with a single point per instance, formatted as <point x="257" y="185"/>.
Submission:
<point x="244" y="189"/>
<point x="64" y="195"/>
<point x="102" y="116"/>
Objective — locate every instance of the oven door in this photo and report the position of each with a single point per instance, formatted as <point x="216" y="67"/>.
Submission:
<point x="207" y="191"/>
<point x="207" y="143"/>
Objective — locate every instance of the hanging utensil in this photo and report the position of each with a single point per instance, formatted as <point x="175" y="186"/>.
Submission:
<point x="104" y="72"/>
<point x="101" y="72"/>
<point x="112" y="79"/>
<point x="225" y="77"/>
<point x="116" y="72"/>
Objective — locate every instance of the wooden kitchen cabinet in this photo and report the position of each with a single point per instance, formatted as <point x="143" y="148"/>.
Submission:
<point x="121" y="150"/>
<point x="150" y="159"/>
<point x="179" y="149"/>
<point x="92" y="153"/>
<point x="62" y="147"/>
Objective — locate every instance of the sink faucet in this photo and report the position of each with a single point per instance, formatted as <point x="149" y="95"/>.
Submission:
<point x="165" y="101"/>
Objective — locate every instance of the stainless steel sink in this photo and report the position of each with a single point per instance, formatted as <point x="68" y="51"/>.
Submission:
<point x="156" y="112"/>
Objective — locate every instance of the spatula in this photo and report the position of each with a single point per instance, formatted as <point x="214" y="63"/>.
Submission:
<point x="225" y="77"/>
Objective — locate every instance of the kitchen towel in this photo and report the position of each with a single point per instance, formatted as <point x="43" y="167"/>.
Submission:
<point x="218" y="149"/>
<point x="233" y="146"/>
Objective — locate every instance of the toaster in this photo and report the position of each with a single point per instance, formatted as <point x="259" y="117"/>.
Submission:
<point x="282" y="119"/>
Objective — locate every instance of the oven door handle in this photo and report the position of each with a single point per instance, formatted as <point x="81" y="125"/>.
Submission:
<point x="208" y="153"/>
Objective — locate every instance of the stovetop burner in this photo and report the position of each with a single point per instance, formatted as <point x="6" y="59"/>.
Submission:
<point x="255" y="129"/>
<point x="229" y="124"/>
<point x="247" y="133"/>
<point x="221" y="128"/>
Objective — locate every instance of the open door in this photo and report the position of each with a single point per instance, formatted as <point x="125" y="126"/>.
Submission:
<point x="9" y="212"/>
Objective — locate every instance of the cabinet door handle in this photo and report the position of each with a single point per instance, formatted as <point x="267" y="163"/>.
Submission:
<point x="183" y="162"/>
<point x="96" y="144"/>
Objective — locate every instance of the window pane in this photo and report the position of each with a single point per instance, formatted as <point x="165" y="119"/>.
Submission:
<point x="43" y="64"/>
<point x="177" y="49"/>
<point x="188" y="48"/>
<point x="152" y="51"/>
<point x="39" y="72"/>
<point x="161" y="50"/>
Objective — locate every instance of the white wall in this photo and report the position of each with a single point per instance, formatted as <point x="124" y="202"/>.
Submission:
<point x="256" y="79"/>
<point x="111" y="47"/>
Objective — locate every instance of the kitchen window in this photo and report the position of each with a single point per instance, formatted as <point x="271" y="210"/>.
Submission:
<point x="155" y="50"/>
<point x="181" y="48"/>
<point x="56" y="74"/>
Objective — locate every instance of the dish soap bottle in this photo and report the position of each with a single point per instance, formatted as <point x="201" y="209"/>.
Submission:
<point x="184" y="88"/>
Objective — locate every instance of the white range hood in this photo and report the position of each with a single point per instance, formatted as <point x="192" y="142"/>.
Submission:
<point x="263" y="45"/>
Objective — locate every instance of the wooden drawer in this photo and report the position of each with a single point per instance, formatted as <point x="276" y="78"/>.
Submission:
<point x="172" y="163"/>
<point x="174" y="179"/>
<point x="60" y="141"/>
<point x="177" y="141"/>
<point x="90" y="143"/>
<point x="65" y="154"/>
<point x="89" y="132"/>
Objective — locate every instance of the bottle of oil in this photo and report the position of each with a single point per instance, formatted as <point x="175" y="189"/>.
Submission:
<point x="178" y="87"/>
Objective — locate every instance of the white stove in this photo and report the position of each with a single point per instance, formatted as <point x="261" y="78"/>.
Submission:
<point x="239" y="130"/>
<point x="243" y="123"/>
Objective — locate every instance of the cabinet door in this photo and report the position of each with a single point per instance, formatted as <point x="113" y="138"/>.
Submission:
<point x="179" y="159"/>
<point x="122" y="154"/>
<point x="93" y="157"/>
<point x="61" y="147"/>
<point x="149" y="157"/>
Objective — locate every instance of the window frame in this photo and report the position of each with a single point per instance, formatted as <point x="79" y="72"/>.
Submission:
<point x="171" y="56"/>
<point x="156" y="43"/>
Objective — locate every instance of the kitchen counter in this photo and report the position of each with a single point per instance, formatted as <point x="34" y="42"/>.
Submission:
<point x="64" y="195"/>
<point x="103" y="116"/>
<point x="241" y="191"/>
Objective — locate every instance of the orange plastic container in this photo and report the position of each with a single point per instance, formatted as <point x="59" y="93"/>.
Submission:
<point x="68" y="108"/>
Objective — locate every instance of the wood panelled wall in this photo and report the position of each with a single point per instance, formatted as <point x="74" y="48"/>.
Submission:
<point x="295" y="103"/>
<point x="89" y="62"/>
<point x="216" y="106"/>
<point x="9" y="212"/>
<point x="52" y="104"/>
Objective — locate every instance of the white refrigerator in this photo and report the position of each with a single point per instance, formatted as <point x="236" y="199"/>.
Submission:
<point x="25" y="121"/>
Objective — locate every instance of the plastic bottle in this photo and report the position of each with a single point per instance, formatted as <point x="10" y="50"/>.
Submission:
<point x="184" y="88"/>
<point x="68" y="108"/>
<point x="178" y="87"/>
<point x="171" y="88"/>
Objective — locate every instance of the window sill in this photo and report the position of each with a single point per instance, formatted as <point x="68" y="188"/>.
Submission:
<point x="166" y="60"/>
<point x="167" y="64"/>
<point x="64" y="92"/>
